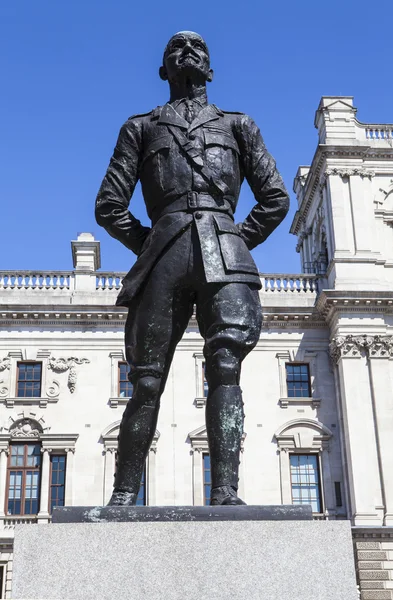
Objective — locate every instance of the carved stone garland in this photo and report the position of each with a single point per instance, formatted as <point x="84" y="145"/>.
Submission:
<point x="61" y="365"/>
<point x="376" y="346"/>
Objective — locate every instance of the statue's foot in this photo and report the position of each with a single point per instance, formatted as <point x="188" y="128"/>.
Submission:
<point x="122" y="498"/>
<point x="224" y="495"/>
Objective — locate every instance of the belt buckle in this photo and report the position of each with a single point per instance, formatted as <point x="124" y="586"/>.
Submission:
<point x="192" y="199"/>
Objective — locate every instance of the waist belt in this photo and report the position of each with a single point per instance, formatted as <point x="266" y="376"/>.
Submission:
<point x="193" y="201"/>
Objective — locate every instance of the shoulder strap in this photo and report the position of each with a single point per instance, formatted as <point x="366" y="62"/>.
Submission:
<point x="196" y="160"/>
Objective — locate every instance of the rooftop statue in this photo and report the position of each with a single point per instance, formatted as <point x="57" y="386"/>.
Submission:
<point x="191" y="158"/>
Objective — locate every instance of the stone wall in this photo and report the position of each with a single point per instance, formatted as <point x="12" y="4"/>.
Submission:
<point x="373" y="547"/>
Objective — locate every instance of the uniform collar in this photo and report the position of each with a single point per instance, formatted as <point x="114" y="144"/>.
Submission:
<point x="169" y="116"/>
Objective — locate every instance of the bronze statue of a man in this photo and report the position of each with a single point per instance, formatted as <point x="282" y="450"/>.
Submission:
<point x="191" y="158"/>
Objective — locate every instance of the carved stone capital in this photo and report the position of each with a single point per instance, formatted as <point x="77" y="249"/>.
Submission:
<point x="353" y="346"/>
<point x="381" y="347"/>
<point x="350" y="346"/>
<point x="348" y="172"/>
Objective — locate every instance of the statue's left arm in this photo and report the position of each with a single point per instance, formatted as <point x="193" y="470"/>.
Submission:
<point x="265" y="182"/>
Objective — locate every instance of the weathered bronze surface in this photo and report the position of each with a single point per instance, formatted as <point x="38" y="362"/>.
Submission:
<point x="191" y="158"/>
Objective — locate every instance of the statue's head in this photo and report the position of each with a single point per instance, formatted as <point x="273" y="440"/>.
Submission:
<point x="186" y="56"/>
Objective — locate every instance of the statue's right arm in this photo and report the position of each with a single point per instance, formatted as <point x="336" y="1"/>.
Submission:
<point x="118" y="186"/>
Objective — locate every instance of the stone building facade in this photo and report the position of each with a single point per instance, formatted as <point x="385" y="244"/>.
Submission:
<point x="317" y="388"/>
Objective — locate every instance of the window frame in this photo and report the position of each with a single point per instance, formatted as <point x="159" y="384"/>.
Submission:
<point x="24" y="470"/>
<point x="27" y="362"/>
<point x="52" y="455"/>
<point x="206" y="484"/>
<point x="299" y="364"/>
<point x="319" y="476"/>
<point x="119" y="381"/>
<point x="205" y="385"/>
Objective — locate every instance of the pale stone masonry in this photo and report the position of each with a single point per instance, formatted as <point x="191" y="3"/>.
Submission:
<point x="336" y="317"/>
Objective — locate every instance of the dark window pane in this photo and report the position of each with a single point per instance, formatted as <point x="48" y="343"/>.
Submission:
<point x="298" y="381"/>
<point x="57" y="487"/>
<point x="206" y="479"/>
<point x="29" y="380"/>
<point x="141" y="499"/>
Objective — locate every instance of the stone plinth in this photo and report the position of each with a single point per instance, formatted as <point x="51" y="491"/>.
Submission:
<point x="121" y="514"/>
<point x="193" y="560"/>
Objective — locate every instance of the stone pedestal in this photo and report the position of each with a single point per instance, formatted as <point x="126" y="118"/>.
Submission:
<point x="193" y="559"/>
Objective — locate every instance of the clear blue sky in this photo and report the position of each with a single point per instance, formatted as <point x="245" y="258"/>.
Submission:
<point x="73" y="72"/>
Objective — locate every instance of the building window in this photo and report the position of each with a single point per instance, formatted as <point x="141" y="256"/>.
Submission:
<point x="337" y="491"/>
<point x="29" y="380"/>
<point x="2" y="580"/>
<point x="125" y="386"/>
<point x="23" y="482"/>
<point x="305" y="480"/>
<point x="298" y="380"/>
<point x="141" y="498"/>
<point x="57" y="480"/>
<point x="207" y="482"/>
<point x="205" y="387"/>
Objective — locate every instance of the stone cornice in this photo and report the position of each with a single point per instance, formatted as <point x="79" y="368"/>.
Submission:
<point x="330" y="302"/>
<point x="355" y="346"/>
<point x="363" y="151"/>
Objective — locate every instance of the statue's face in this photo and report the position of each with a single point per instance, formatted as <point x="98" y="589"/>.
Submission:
<point x="186" y="55"/>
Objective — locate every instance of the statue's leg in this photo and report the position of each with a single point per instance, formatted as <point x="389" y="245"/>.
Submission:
<point x="154" y="327"/>
<point x="230" y="322"/>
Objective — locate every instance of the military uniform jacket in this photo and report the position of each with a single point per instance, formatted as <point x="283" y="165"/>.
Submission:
<point x="191" y="173"/>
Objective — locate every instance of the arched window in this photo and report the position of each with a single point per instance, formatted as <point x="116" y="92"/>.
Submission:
<point x="305" y="465"/>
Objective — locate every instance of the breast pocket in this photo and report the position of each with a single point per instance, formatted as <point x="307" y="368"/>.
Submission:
<point x="235" y="254"/>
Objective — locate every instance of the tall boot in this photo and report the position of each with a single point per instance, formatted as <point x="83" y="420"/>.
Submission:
<point x="136" y="434"/>
<point x="224" y="424"/>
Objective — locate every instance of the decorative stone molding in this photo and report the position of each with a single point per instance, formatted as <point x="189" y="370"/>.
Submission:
<point x="26" y="422"/>
<point x="26" y="428"/>
<point x="348" y="172"/>
<point x="61" y="365"/>
<point x="5" y="363"/>
<point x="354" y="346"/>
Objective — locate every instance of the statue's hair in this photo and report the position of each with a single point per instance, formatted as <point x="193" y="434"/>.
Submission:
<point x="185" y="33"/>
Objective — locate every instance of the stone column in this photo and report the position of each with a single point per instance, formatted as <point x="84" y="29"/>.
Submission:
<point x="197" y="476"/>
<point x="241" y="474"/>
<point x="285" y="477"/>
<point x="327" y="483"/>
<point x="4" y="451"/>
<point x="381" y="382"/>
<point x="109" y="473"/>
<point x="69" y="477"/>
<point x="43" y="515"/>
<point x="348" y="352"/>
<point x="151" y="476"/>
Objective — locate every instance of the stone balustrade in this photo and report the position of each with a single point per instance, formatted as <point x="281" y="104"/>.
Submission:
<point x="379" y="132"/>
<point x="66" y="282"/>
<point x="35" y="280"/>
<point x="292" y="284"/>
<point x="109" y="281"/>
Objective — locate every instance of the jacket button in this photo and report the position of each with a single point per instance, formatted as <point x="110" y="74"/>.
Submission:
<point x="198" y="215"/>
